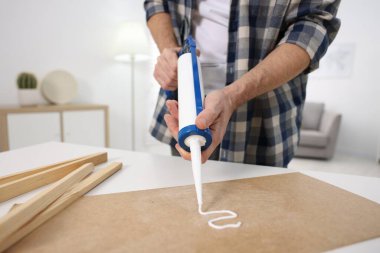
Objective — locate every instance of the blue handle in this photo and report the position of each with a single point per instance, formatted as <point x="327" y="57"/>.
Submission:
<point x="169" y="94"/>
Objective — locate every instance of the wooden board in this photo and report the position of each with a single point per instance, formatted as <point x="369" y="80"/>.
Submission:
<point x="282" y="213"/>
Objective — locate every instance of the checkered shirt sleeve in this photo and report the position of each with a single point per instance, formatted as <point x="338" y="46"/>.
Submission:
<point x="312" y="25"/>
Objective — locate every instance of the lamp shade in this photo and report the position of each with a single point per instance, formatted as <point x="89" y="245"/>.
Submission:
<point x="132" y="40"/>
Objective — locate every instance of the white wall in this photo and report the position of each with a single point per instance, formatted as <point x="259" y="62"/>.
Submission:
<point x="356" y="96"/>
<point x="79" y="36"/>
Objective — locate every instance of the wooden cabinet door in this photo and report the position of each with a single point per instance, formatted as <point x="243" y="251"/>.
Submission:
<point x="25" y="129"/>
<point x="84" y="127"/>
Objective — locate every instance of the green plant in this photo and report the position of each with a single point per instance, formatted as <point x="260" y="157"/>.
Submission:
<point x="26" y="81"/>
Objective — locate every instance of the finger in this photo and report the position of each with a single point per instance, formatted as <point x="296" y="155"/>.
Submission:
<point x="207" y="117"/>
<point x="208" y="152"/>
<point x="172" y="59"/>
<point x="161" y="74"/>
<point x="162" y="78"/>
<point x="172" y="124"/>
<point x="172" y="106"/>
<point x="169" y="67"/>
<point x="185" y="155"/>
<point x="211" y="111"/>
<point x="177" y="49"/>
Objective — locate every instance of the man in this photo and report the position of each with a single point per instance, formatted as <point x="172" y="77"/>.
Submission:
<point x="269" y="47"/>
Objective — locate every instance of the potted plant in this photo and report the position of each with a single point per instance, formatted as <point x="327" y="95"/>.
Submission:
<point x="28" y="93"/>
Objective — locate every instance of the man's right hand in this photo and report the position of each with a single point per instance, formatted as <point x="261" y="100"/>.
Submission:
<point x="165" y="70"/>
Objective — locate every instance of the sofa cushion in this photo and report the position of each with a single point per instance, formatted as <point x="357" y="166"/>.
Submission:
<point x="311" y="115"/>
<point x="313" y="138"/>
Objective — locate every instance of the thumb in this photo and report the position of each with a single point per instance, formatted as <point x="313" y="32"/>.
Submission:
<point x="177" y="49"/>
<point x="206" y="118"/>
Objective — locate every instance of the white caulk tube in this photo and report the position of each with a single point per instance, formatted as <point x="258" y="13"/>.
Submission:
<point x="190" y="104"/>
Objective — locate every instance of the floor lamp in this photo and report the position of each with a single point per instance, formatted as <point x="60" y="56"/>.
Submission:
<point x="132" y="47"/>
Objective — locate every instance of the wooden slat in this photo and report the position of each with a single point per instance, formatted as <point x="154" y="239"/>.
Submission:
<point x="26" y="184"/>
<point x="4" y="142"/>
<point x="13" y="220"/>
<point x="65" y="200"/>
<point x="18" y="175"/>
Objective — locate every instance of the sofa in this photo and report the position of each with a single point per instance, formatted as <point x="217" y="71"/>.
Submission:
<point x="319" y="132"/>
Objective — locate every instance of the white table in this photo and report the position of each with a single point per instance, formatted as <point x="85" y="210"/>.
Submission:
<point x="143" y="171"/>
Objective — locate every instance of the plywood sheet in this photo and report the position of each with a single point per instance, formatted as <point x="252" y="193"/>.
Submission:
<point x="282" y="213"/>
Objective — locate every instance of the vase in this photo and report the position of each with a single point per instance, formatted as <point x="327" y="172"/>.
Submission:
<point x="30" y="97"/>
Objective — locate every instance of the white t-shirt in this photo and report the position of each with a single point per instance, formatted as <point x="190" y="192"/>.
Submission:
<point x="210" y="23"/>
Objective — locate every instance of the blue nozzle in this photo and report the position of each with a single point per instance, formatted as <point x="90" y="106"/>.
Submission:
<point x="193" y="130"/>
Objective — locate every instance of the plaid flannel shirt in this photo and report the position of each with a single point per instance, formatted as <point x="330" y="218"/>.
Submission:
<point x="265" y="130"/>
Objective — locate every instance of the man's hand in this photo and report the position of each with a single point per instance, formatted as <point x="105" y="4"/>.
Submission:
<point x="216" y="115"/>
<point x="165" y="71"/>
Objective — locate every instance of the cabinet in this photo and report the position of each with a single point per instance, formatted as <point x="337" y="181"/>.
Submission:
<point x="26" y="129"/>
<point x="79" y="124"/>
<point x="84" y="127"/>
<point x="378" y="151"/>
